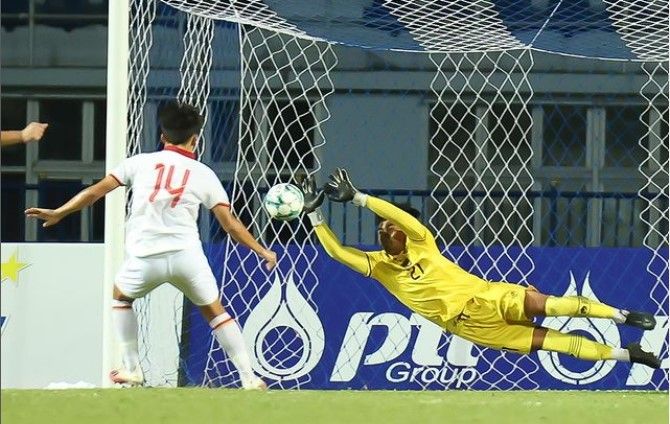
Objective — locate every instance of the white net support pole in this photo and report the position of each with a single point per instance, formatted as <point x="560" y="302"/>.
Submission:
<point x="117" y="101"/>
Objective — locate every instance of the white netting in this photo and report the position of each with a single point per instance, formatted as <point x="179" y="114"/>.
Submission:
<point x="481" y="166"/>
<point x="643" y="26"/>
<point x="253" y="12"/>
<point x="480" y="155"/>
<point x="195" y="68"/>
<point x="142" y="15"/>
<point x="152" y="347"/>
<point x="458" y="26"/>
<point x="655" y="168"/>
<point x="285" y="83"/>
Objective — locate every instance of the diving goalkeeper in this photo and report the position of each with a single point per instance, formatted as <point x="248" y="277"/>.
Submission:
<point x="497" y="315"/>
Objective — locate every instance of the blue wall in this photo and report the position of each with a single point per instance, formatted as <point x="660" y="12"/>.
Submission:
<point x="353" y="313"/>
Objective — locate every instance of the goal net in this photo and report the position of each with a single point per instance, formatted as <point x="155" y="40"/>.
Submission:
<point x="515" y="127"/>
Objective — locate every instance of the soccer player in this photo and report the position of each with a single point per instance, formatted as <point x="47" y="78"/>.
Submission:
<point x="32" y="132"/>
<point x="496" y="315"/>
<point x="162" y="241"/>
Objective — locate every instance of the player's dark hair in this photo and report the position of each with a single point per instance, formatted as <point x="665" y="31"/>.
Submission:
<point x="179" y="122"/>
<point x="405" y="206"/>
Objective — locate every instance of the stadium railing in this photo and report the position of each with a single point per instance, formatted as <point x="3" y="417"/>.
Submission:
<point x="561" y="226"/>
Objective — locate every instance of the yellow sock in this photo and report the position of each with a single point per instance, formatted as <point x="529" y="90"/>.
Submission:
<point x="579" y="306"/>
<point x="581" y="347"/>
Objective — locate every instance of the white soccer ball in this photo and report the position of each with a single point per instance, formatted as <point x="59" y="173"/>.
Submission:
<point x="284" y="202"/>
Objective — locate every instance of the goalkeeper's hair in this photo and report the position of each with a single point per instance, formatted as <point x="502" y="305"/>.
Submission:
<point x="405" y="206"/>
<point x="179" y="122"/>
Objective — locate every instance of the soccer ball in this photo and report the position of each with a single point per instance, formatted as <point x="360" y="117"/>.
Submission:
<point x="284" y="202"/>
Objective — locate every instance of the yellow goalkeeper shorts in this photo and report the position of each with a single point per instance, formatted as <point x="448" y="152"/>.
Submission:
<point x="495" y="318"/>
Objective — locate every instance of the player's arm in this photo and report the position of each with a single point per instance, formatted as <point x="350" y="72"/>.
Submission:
<point x="349" y="256"/>
<point x="86" y="197"/>
<point x="411" y="226"/>
<point x="241" y="234"/>
<point x="340" y="189"/>
<point x="355" y="259"/>
<point x="32" y="132"/>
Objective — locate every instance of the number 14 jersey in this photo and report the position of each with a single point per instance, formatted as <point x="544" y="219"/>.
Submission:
<point x="168" y="188"/>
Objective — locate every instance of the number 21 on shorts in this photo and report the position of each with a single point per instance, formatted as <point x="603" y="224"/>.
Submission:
<point x="176" y="192"/>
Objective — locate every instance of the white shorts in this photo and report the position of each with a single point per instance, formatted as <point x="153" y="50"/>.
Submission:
<point x="187" y="270"/>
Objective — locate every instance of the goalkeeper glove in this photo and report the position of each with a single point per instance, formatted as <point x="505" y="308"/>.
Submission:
<point x="312" y="199"/>
<point x="340" y="189"/>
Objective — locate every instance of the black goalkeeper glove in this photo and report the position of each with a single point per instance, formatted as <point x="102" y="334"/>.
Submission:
<point x="313" y="198"/>
<point x="340" y="188"/>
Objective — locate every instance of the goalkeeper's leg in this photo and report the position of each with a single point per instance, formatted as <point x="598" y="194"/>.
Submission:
<point x="538" y="304"/>
<point x="229" y="336"/>
<point x="584" y="348"/>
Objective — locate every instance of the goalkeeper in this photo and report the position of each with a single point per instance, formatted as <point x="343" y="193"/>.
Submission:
<point x="495" y="315"/>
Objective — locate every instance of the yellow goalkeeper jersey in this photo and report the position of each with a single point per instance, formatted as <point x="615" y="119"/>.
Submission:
<point x="422" y="279"/>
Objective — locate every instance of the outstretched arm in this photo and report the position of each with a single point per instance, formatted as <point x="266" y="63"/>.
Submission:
<point x="411" y="226"/>
<point x="84" y="198"/>
<point x="241" y="234"/>
<point x="340" y="189"/>
<point x="32" y="132"/>
<point x="353" y="258"/>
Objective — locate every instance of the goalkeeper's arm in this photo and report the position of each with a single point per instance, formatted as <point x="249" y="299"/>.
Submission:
<point x="340" y="189"/>
<point x="409" y="225"/>
<point x="353" y="258"/>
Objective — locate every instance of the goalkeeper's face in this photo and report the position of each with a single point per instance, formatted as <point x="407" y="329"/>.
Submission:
<point x="391" y="238"/>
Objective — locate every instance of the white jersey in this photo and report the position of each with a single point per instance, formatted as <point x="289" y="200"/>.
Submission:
<point x="168" y="187"/>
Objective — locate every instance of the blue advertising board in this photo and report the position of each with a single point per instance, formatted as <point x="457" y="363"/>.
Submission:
<point x="316" y="324"/>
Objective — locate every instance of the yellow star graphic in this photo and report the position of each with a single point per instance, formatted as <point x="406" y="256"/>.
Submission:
<point x="11" y="268"/>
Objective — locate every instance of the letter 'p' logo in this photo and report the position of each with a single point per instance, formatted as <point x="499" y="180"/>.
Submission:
<point x="358" y="332"/>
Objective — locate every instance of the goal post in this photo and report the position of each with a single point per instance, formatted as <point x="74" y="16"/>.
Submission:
<point x="115" y="152"/>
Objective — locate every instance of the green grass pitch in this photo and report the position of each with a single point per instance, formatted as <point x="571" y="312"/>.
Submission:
<point x="189" y="405"/>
